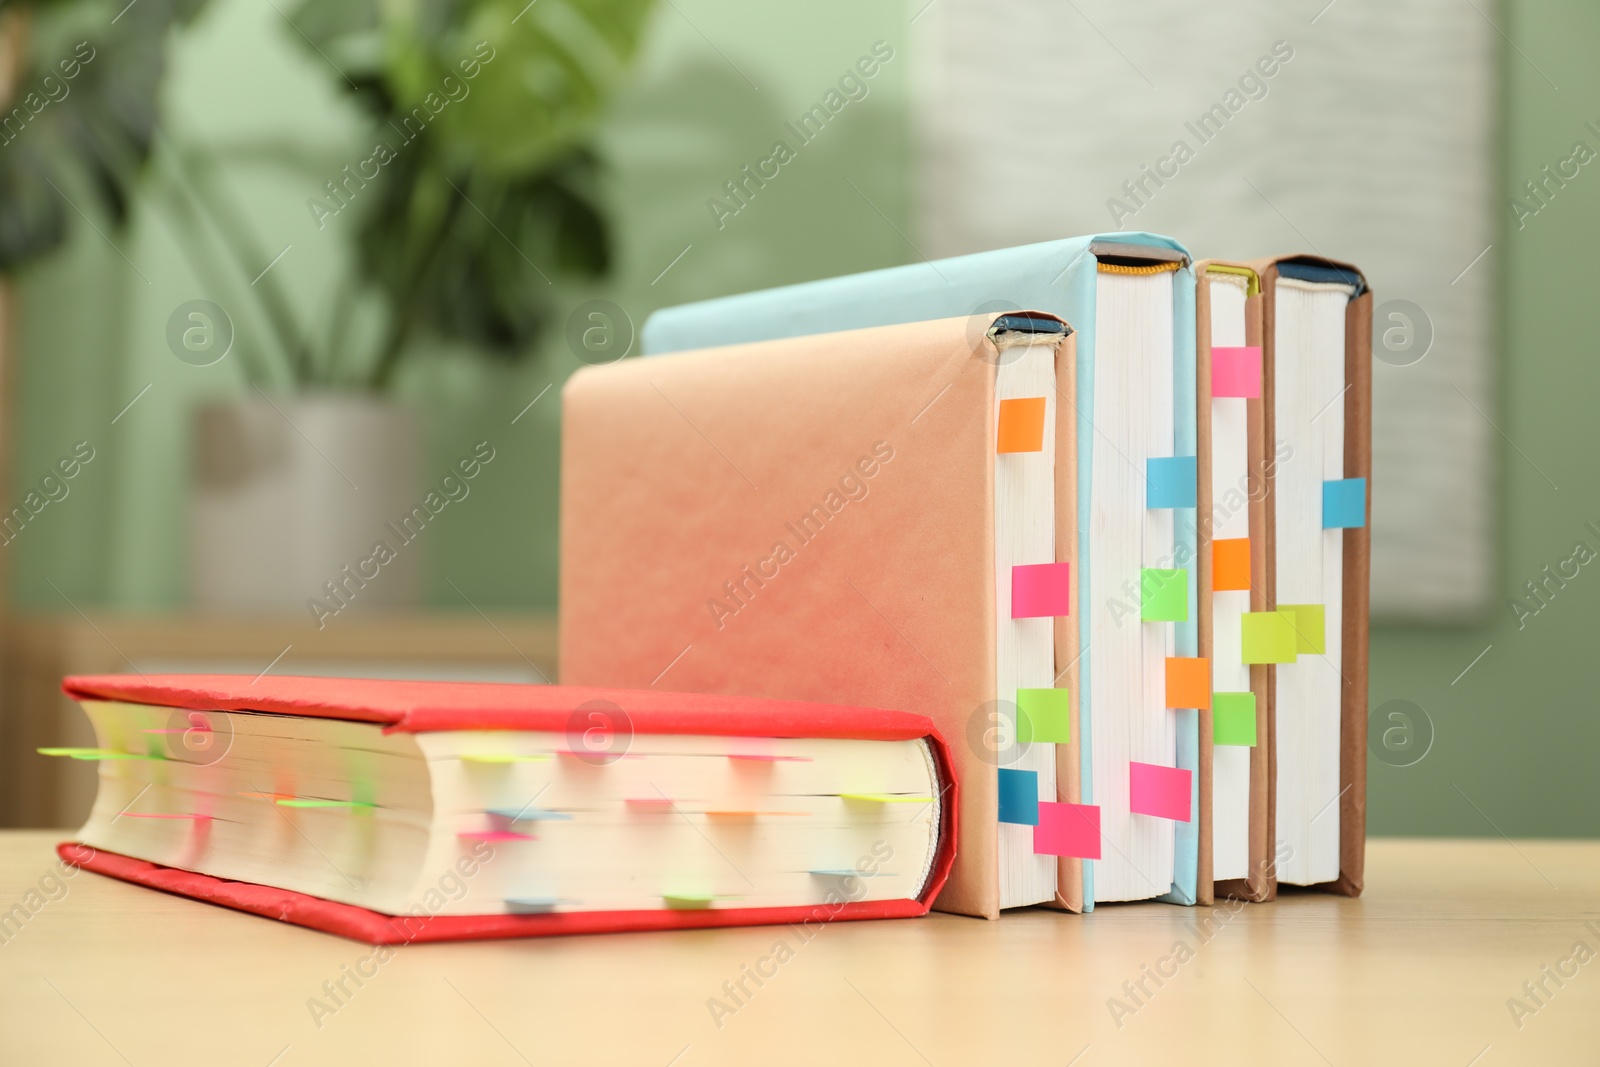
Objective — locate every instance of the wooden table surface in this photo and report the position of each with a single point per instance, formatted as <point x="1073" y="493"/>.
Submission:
<point x="1419" y="971"/>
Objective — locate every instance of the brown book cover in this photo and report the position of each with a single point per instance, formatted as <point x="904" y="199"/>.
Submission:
<point x="1257" y="885"/>
<point x="809" y="518"/>
<point x="1357" y="565"/>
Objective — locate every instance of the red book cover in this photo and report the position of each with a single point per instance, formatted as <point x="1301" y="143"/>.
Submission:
<point x="420" y="707"/>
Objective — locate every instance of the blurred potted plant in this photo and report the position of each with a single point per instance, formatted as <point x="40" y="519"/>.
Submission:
<point x="479" y="191"/>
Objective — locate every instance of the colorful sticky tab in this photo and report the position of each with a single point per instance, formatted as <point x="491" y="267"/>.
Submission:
<point x="884" y="798"/>
<point x="1044" y="716"/>
<point x="91" y="753"/>
<point x="1236" y="372"/>
<point x="756" y="757"/>
<point x="688" y="901"/>
<point x="1230" y="564"/>
<point x="1233" y="719"/>
<point x="1021" y="425"/>
<point x="527" y="814"/>
<point x="534" y="905"/>
<point x="648" y="803"/>
<point x="1067" y="830"/>
<point x="1267" y="637"/>
<point x="1170" y="482"/>
<point x="1019" y="796"/>
<point x="1159" y="791"/>
<point x="494" y="835"/>
<point x="1310" y="626"/>
<point x="1188" y="682"/>
<point x="1040" y="590"/>
<point x="1344" y="504"/>
<point x="1164" y="595"/>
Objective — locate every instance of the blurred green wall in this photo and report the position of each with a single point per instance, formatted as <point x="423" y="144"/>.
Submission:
<point x="1517" y="737"/>
<point x="1514" y="739"/>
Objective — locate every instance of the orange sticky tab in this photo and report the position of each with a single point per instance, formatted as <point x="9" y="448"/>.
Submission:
<point x="1230" y="564"/>
<point x="1021" y="425"/>
<point x="1188" y="683"/>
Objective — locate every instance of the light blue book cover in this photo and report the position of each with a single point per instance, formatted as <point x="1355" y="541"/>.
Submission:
<point x="1059" y="277"/>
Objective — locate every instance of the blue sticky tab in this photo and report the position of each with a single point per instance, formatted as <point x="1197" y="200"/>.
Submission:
<point x="1019" y="796"/>
<point x="1170" y="482"/>
<point x="1344" y="504"/>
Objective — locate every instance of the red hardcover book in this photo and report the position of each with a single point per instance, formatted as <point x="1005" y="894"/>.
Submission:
<point x="396" y="812"/>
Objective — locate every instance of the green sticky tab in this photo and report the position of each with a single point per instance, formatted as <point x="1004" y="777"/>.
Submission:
<point x="884" y="798"/>
<point x="1268" y="637"/>
<point x="687" y="901"/>
<point x="90" y="753"/>
<point x="1044" y="716"/>
<point x="1164" y="595"/>
<point x="1233" y="719"/>
<point x="1310" y="626"/>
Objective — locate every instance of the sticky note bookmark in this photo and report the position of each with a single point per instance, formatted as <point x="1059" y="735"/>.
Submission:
<point x="1310" y="626"/>
<point x="494" y="835"/>
<point x="1040" y="590"/>
<point x="91" y="754"/>
<point x="1067" y="830"/>
<point x="535" y="905"/>
<point x="756" y="757"/>
<point x="1170" y="482"/>
<point x="1159" y="791"/>
<point x="530" y="814"/>
<point x="1236" y="372"/>
<point x="1230" y="564"/>
<point x="1164" y="595"/>
<point x="688" y="901"/>
<point x="1344" y="504"/>
<point x="1044" y="716"/>
<point x="1021" y="425"/>
<point x="1233" y="719"/>
<point x="884" y="798"/>
<point x="1188" y="682"/>
<point x="1267" y="637"/>
<point x="1019" y="796"/>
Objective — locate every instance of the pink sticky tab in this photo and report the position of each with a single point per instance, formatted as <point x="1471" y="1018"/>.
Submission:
<point x="1159" y="791"/>
<point x="1236" y="372"/>
<point x="1067" y="830"/>
<point x="1040" y="590"/>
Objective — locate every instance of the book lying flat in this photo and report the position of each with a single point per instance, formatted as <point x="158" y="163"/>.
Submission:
<point x="1317" y="392"/>
<point x="866" y="517"/>
<point x="1235" y="470"/>
<point x="1128" y="495"/>
<point x="393" y="812"/>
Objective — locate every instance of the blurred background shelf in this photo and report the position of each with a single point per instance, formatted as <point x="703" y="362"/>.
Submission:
<point x="39" y="650"/>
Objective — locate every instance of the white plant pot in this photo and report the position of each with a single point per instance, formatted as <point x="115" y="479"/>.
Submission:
<point x="289" y="497"/>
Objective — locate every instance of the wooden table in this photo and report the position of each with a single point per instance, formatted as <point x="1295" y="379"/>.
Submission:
<point x="1419" y="971"/>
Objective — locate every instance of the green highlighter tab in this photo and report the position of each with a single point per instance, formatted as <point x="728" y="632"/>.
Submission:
<point x="1233" y="719"/>
<point x="1164" y="595"/>
<point x="1044" y="716"/>
<point x="1310" y="626"/>
<point x="1268" y="637"/>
